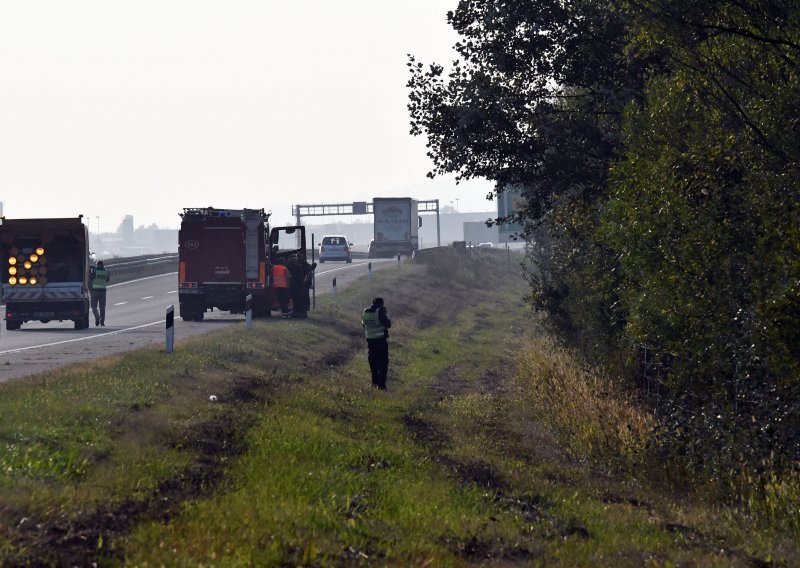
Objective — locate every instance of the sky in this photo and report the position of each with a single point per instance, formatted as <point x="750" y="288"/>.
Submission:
<point x="143" y="107"/>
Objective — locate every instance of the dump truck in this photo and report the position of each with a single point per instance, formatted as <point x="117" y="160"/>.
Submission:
<point x="224" y="255"/>
<point x="46" y="276"/>
<point x="396" y="223"/>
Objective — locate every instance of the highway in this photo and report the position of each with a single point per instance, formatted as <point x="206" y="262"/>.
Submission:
<point x="135" y="314"/>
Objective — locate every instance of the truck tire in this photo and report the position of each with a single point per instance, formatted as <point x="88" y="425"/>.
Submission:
<point x="190" y="312"/>
<point x="13" y="325"/>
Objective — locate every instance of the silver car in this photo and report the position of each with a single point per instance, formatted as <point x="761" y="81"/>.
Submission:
<point x="335" y="247"/>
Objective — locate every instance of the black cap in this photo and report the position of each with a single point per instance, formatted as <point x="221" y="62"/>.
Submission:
<point x="377" y="301"/>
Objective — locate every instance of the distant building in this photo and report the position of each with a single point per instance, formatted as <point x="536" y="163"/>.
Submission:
<point x="477" y="232"/>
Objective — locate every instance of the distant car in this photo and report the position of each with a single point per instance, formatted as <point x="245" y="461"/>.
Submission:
<point x="485" y="245"/>
<point x="335" y="247"/>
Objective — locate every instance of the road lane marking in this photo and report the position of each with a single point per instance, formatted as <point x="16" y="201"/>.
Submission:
<point x="20" y="349"/>
<point x="353" y="266"/>
<point x="172" y="292"/>
<point x="120" y="303"/>
<point x="148" y="297"/>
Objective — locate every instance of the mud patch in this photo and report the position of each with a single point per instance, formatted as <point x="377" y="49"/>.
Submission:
<point x="449" y="383"/>
<point x="424" y="432"/>
<point x="478" y="473"/>
<point x="483" y="550"/>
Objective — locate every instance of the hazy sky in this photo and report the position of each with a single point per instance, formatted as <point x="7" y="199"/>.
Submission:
<point x="145" y="107"/>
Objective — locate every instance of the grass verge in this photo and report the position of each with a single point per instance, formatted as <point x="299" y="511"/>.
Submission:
<point x="299" y="462"/>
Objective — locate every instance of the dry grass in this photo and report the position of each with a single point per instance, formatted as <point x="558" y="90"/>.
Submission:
<point x="590" y="413"/>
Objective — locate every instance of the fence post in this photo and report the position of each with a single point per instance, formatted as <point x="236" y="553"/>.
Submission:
<point x="170" y="328"/>
<point x="334" y="289"/>
<point x="248" y="312"/>
<point x="369" y="271"/>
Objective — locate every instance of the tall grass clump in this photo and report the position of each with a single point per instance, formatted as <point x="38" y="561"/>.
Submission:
<point x="591" y="414"/>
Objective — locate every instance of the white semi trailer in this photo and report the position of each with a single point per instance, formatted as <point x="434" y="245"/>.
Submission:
<point x="396" y="224"/>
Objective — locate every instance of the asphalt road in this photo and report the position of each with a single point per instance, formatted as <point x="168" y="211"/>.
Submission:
<point x="135" y="315"/>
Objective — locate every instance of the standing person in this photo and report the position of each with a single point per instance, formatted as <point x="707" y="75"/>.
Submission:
<point x="100" y="277"/>
<point x="296" y="287"/>
<point x="281" y="280"/>
<point x="376" y="326"/>
<point x="303" y="276"/>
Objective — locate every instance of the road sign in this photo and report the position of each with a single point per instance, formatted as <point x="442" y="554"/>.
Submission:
<point x="509" y="202"/>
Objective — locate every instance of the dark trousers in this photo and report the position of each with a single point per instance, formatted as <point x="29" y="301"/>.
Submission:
<point x="99" y="305"/>
<point x="300" y="299"/>
<point x="378" y="361"/>
<point x="283" y="300"/>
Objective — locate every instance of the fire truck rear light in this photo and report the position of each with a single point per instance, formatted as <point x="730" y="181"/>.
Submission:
<point x="257" y="285"/>
<point x="188" y="285"/>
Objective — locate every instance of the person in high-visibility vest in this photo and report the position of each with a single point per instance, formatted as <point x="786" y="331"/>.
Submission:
<point x="99" y="277"/>
<point x="281" y="280"/>
<point x="376" y="326"/>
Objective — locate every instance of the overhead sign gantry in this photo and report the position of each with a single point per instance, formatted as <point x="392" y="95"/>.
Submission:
<point x="360" y="208"/>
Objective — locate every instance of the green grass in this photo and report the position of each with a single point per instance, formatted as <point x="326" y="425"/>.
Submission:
<point x="301" y="462"/>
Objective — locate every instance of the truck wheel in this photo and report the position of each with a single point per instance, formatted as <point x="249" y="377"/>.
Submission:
<point x="12" y="325"/>
<point x="349" y="260"/>
<point x="189" y="312"/>
<point x="192" y="316"/>
<point x="82" y="323"/>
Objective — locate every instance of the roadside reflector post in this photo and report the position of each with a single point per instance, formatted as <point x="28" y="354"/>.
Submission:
<point x="369" y="271"/>
<point x="334" y="289"/>
<point x="248" y="311"/>
<point x="398" y="260"/>
<point x="170" y="328"/>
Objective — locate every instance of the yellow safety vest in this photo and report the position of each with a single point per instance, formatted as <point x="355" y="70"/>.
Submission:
<point x="100" y="280"/>
<point x="373" y="328"/>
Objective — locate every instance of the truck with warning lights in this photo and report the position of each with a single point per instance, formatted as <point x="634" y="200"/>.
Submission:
<point x="46" y="270"/>
<point x="224" y="255"/>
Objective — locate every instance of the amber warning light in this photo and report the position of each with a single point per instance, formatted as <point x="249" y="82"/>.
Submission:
<point x="27" y="267"/>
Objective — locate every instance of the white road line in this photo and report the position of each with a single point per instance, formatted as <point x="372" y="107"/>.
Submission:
<point x="148" y="297"/>
<point x="172" y="292"/>
<point x="353" y="266"/>
<point x="120" y="303"/>
<point x="81" y="338"/>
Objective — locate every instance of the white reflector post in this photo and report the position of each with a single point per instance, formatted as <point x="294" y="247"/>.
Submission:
<point x="334" y="289"/>
<point x="369" y="271"/>
<point x="170" y="328"/>
<point x="248" y="312"/>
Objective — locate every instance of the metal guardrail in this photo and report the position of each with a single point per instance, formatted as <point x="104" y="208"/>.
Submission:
<point x="124" y="269"/>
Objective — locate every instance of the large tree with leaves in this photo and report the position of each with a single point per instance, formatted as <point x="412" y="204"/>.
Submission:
<point x="657" y="143"/>
<point x="535" y="101"/>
